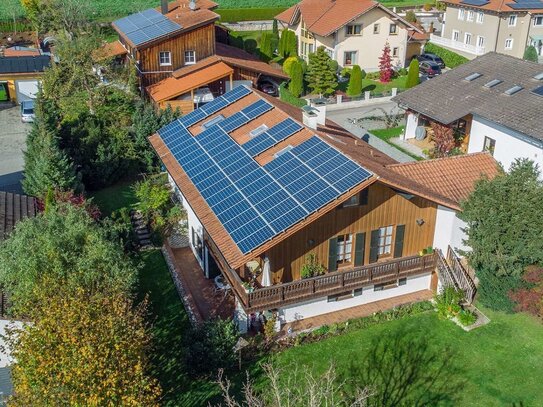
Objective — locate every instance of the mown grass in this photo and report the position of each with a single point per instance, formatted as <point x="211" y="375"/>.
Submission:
<point x="114" y="198"/>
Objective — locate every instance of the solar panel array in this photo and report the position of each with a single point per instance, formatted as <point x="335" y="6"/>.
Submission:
<point x="271" y="137"/>
<point x="526" y="4"/>
<point x="146" y="26"/>
<point x="475" y="2"/>
<point x="252" y="202"/>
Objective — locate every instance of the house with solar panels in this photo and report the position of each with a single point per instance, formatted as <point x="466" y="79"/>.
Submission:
<point x="475" y="27"/>
<point x="177" y="58"/>
<point x="495" y="101"/>
<point x="300" y="217"/>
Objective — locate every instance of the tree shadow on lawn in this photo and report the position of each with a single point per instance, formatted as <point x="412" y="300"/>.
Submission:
<point x="405" y="369"/>
<point x="368" y="88"/>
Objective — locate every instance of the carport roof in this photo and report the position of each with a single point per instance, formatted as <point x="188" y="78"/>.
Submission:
<point x="24" y="64"/>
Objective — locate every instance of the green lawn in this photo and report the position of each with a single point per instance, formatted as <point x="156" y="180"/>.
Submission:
<point x="500" y="364"/>
<point x="387" y="134"/>
<point x="114" y="198"/>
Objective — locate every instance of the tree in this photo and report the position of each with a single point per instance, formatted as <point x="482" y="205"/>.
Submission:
<point x="443" y="139"/>
<point x="504" y="230"/>
<point x="83" y="349"/>
<point x="320" y="76"/>
<point x="287" y="65"/>
<point x="355" y="82"/>
<point x="413" y="74"/>
<point x="275" y="28"/>
<point x="288" y="44"/>
<point x="296" y="85"/>
<point x="266" y="50"/>
<point x="410" y="16"/>
<point x="385" y="65"/>
<point x="530" y="54"/>
<point x="67" y="246"/>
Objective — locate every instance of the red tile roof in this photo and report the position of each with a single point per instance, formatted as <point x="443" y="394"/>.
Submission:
<point x="239" y="58"/>
<point x="110" y="50"/>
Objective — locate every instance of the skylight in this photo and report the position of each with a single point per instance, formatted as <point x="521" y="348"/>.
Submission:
<point x="538" y="91"/>
<point x="513" y="90"/>
<point x="283" y="151"/>
<point x="493" y="83"/>
<point x="539" y="76"/>
<point x="473" y="76"/>
<point x="259" y="130"/>
<point x="213" y="121"/>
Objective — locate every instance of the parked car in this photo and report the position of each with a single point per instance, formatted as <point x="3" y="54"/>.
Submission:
<point x="269" y="87"/>
<point x="430" y="69"/>
<point x="432" y="58"/>
<point x="27" y="111"/>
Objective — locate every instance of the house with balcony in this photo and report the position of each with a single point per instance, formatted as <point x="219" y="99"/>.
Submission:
<point x="176" y="56"/>
<point x="475" y="27"/>
<point x="495" y="100"/>
<point x="353" y="32"/>
<point x="300" y="217"/>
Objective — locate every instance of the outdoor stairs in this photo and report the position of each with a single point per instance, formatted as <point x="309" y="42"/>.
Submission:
<point x="142" y="230"/>
<point x="453" y="273"/>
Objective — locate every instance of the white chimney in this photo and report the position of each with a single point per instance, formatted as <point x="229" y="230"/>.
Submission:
<point x="310" y="115"/>
<point x="320" y="109"/>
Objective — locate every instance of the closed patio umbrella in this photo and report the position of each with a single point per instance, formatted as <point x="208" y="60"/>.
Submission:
<point x="266" y="273"/>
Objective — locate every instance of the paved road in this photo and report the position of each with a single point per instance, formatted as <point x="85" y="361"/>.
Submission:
<point x="12" y="142"/>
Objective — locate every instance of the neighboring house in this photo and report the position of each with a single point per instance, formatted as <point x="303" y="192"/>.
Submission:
<point x="353" y="32"/>
<point x="475" y="27"/>
<point x="6" y="359"/>
<point x="177" y="58"/>
<point x="20" y="76"/>
<point x="261" y="188"/>
<point x="496" y="101"/>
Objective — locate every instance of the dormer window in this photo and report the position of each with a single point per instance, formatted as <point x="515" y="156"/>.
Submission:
<point x="165" y="58"/>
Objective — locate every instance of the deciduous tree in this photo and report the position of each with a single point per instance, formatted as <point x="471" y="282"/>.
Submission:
<point x="385" y="64"/>
<point x="443" y="139"/>
<point x="320" y="75"/>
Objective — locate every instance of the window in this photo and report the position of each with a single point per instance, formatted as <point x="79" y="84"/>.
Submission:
<point x="402" y="281"/>
<point x="357" y="292"/>
<point x="480" y="17"/>
<point x="344" y="249"/>
<point x="354" y="29"/>
<point x="349" y="58"/>
<point x="455" y="35"/>
<point x="190" y="57"/>
<point x="538" y="21"/>
<point x="489" y="145"/>
<point x="352" y="201"/>
<point x="509" y="43"/>
<point x="259" y="130"/>
<point x="283" y="151"/>
<point x="512" y="20"/>
<point x="213" y="121"/>
<point x="385" y="240"/>
<point x="376" y="28"/>
<point x="461" y="13"/>
<point x="471" y="15"/>
<point x="395" y="51"/>
<point x="480" y="41"/>
<point x="467" y="38"/>
<point x="393" y="29"/>
<point x="165" y="58"/>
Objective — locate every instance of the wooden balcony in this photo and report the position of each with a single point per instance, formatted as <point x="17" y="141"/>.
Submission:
<point x="331" y="283"/>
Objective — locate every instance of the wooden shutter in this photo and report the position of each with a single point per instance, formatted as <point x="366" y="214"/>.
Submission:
<point x="398" y="243"/>
<point x="363" y="198"/>
<point x="359" y="249"/>
<point x="332" y="254"/>
<point x="374" y="245"/>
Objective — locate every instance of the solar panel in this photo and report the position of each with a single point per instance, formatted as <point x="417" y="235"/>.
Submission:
<point x="526" y="4"/>
<point x="256" y="109"/>
<point x="538" y="91"/>
<point x="271" y="137"/>
<point x="146" y="26"/>
<point x="475" y="2"/>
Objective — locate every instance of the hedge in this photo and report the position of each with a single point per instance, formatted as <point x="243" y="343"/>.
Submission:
<point x="286" y="96"/>
<point x="451" y="59"/>
<point x="248" y="14"/>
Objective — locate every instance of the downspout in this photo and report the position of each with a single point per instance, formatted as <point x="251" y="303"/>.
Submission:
<point x="498" y="33"/>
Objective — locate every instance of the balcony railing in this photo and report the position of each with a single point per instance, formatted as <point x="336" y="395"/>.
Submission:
<point x="457" y="45"/>
<point x="336" y="282"/>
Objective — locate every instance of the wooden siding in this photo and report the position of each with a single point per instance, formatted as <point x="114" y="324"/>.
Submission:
<point x="185" y="106"/>
<point x="201" y="40"/>
<point x="384" y="208"/>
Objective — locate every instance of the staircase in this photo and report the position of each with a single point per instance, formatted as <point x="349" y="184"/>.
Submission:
<point x="452" y="273"/>
<point x="142" y="230"/>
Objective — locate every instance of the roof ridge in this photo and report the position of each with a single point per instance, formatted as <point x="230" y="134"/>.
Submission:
<point x="433" y="160"/>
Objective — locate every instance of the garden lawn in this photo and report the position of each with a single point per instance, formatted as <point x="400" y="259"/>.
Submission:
<point x="114" y="198"/>
<point x="496" y="365"/>
<point x="387" y="134"/>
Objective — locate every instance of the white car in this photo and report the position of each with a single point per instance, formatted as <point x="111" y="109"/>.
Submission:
<point x="27" y="111"/>
<point x="201" y="96"/>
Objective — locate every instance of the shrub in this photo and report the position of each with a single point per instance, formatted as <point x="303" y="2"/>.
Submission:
<point x="530" y="54"/>
<point x="413" y="74"/>
<point x="530" y="298"/>
<point x="428" y="6"/>
<point x="345" y="72"/>
<point x="288" y="44"/>
<point x="385" y="65"/>
<point x="250" y="45"/>
<point x="266" y="46"/>
<point x="363" y="74"/>
<point x="287" y="65"/>
<point x="334" y="66"/>
<point x="451" y="59"/>
<point x="312" y="267"/>
<point x="296" y="85"/>
<point x="448" y="302"/>
<point x="402" y="71"/>
<point x="209" y="347"/>
<point x="269" y="329"/>
<point x="286" y="96"/>
<point x="411" y="17"/>
<point x="373" y="75"/>
<point x="466" y="317"/>
<point x="355" y="84"/>
<point x="321" y="331"/>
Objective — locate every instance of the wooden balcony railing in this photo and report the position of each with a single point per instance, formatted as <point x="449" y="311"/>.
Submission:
<point x="336" y="282"/>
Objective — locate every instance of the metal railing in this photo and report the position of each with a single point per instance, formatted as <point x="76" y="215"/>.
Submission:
<point x="453" y="274"/>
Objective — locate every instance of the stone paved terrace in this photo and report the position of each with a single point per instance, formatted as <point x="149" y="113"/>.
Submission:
<point x="356" y="312"/>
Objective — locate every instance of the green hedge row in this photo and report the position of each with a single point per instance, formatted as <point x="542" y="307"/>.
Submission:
<point x="451" y="59"/>
<point x="286" y="96"/>
<point x="248" y="14"/>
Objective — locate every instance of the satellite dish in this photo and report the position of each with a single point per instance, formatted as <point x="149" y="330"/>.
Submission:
<point x="192" y="5"/>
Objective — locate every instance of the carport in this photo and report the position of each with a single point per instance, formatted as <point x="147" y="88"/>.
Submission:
<point x="20" y="76"/>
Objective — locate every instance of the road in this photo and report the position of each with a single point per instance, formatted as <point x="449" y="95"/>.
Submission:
<point x="12" y="143"/>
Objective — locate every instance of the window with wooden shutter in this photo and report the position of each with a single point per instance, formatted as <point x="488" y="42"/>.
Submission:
<point x="332" y="254"/>
<point x="398" y="243"/>
<point x="374" y="246"/>
<point x="359" y="249"/>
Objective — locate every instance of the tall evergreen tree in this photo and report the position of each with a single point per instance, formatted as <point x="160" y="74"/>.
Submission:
<point x="275" y="28"/>
<point x="355" y="82"/>
<point x="288" y="44"/>
<point x="320" y="76"/>
<point x="530" y="54"/>
<point x="385" y="64"/>
<point x="296" y="85"/>
<point x="413" y="74"/>
<point x="266" y="46"/>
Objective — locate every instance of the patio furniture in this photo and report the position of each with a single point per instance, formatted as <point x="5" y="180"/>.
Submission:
<point x="220" y="284"/>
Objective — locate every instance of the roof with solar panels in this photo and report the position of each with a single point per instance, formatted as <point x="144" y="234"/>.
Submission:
<point x="504" y="6"/>
<point x="499" y="88"/>
<point x="253" y="174"/>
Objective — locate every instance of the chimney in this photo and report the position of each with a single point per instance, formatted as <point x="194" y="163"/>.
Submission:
<point x="310" y="116"/>
<point x="320" y="109"/>
<point x="164" y="6"/>
<point x="2" y="50"/>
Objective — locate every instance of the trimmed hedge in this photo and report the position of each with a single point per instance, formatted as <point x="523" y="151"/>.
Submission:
<point x="248" y="14"/>
<point x="286" y="96"/>
<point x="451" y="59"/>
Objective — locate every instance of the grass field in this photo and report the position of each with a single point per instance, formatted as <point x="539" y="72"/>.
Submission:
<point x="115" y="197"/>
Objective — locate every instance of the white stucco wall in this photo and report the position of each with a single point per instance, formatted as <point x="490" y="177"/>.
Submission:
<point x="509" y="144"/>
<point x="448" y="231"/>
<point x="322" y="306"/>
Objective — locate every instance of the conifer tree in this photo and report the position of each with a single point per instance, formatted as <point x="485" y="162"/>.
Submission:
<point x="530" y="54"/>
<point x="266" y="50"/>
<point x="296" y="85"/>
<point x="413" y="74"/>
<point x="320" y="76"/>
<point x="355" y="82"/>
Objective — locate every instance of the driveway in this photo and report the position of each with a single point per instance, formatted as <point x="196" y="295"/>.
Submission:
<point x="12" y="142"/>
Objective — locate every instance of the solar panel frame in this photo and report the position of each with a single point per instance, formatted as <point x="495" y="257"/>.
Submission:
<point x="146" y="26"/>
